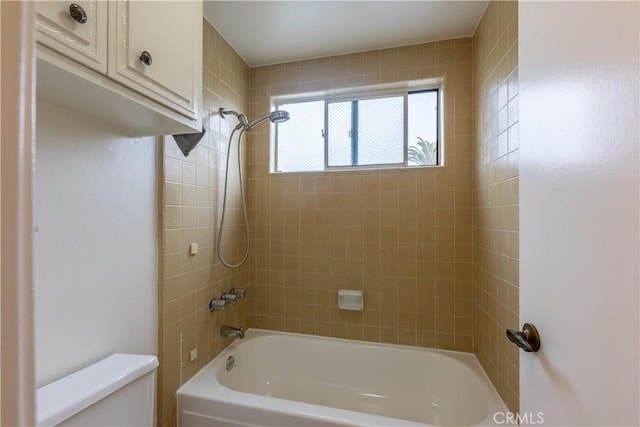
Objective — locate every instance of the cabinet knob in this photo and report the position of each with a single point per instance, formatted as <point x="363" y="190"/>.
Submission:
<point x="77" y="13"/>
<point x="145" y="58"/>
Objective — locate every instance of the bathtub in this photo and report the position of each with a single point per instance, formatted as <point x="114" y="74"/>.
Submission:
<point x="285" y="379"/>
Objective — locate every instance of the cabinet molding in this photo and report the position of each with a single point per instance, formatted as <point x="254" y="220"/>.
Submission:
<point x="85" y="43"/>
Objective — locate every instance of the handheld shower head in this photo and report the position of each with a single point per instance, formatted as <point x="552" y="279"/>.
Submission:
<point x="277" y="116"/>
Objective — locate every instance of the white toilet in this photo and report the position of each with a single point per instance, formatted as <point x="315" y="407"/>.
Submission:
<point x="116" y="391"/>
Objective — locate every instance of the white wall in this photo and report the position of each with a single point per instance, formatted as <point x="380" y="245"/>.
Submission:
<point x="95" y="243"/>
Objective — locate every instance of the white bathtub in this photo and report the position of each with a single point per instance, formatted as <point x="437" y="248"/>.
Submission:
<point x="283" y="379"/>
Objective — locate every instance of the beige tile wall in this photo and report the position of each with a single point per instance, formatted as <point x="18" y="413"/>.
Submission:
<point x="428" y="246"/>
<point x="189" y="211"/>
<point x="495" y="233"/>
<point x="404" y="236"/>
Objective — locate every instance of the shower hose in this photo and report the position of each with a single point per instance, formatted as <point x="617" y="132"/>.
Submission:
<point x="243" y="201"/>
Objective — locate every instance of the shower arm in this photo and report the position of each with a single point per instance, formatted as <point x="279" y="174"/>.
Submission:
<point x="277" y="116"/>
<point x="241" y="117"/>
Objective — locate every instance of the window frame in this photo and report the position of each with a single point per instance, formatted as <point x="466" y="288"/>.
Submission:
<point x="355" y="96"/>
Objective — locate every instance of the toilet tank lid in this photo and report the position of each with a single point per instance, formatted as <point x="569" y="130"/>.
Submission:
<point x="62" y="399"/>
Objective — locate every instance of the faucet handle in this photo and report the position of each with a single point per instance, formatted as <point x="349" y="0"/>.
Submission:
<point x="240" y="293"/>
<point x="228" y="297"/>
<point x="217" y="304"/>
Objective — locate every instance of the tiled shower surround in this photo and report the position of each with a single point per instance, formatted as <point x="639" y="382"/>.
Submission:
<point x="189" y="208"/>
<point x="404" y="236"/>
<point x="434" y="249"/>
<point x="495" y="233"/>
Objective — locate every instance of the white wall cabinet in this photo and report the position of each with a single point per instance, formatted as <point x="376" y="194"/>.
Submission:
<point x="153" y="49"/>
<point x="132" y="63"/>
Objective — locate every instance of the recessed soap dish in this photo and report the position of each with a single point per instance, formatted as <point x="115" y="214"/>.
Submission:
<point x="350" y="300"/>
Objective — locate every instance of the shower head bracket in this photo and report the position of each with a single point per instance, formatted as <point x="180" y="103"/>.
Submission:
<point x="241" y="117"/>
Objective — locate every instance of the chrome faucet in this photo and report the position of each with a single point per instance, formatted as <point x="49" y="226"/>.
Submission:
<point x="231" y="331"/>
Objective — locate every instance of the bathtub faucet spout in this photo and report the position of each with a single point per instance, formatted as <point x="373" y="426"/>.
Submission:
<point x="231" y="331"/>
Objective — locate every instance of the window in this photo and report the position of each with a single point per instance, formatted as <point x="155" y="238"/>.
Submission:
<point x="398" y="129"/>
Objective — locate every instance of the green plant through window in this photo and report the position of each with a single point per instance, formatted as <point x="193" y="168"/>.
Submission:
<point x="423" y="153"/>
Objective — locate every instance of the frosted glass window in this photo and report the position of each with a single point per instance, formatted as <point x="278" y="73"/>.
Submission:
<point x="392" y="130"/>
<point x="300" y="142"/>
<point x="381" y="131"/>
<point x="339" y="133"/>
<point x="366" y="132"/>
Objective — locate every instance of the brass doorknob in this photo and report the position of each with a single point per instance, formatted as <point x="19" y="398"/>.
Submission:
<point x="77" y="13"/>
<point x="528" y="339"/>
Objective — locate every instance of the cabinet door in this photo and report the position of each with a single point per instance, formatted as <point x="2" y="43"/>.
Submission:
<point x="156" y="49"/>
<point x="76" y="29"/>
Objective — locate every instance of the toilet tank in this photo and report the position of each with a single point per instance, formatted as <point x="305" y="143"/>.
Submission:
<point x="116" y="391"/>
